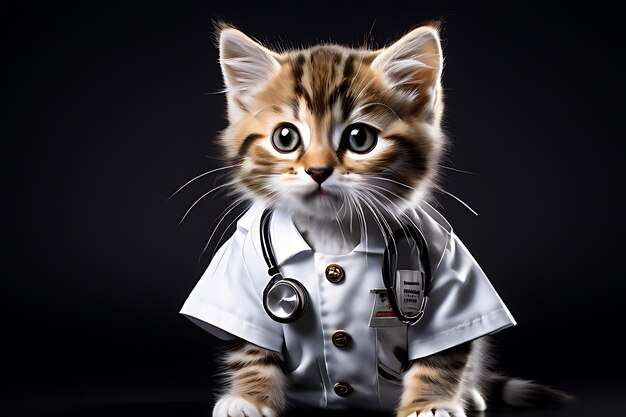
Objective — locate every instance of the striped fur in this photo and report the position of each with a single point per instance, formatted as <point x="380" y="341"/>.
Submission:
<point x="320" y="92"/>
<point x="462" y="378"/>
<point x="254" y="374"/>
<point x="437" y="382"/>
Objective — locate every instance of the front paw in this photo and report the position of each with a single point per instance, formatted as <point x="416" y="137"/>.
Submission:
<point x="233" y="406"/>
<point x="439" y="411"/>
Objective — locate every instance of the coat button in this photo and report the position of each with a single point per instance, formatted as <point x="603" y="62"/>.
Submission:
<point x="341" y="338"/>
<point x="334" y="273"/>
<point x="343" y="389"/>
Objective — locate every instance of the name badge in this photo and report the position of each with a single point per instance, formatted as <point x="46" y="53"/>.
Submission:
<point x="382" y="314"/>
<point x="410" y="290"/>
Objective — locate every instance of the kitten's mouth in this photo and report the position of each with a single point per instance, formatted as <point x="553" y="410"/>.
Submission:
<point x="317" y="193"/>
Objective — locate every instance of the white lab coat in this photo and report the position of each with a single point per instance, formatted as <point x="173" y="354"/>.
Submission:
<point x="227" y="301"/>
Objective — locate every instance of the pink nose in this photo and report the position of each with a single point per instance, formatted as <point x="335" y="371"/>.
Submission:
<point x="319" y="175"/>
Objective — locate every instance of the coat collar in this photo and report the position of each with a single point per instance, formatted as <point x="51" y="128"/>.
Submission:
<point x="287" y="240"/>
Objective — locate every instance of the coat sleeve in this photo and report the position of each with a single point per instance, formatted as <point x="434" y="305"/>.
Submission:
<point x="462" y="306"/>
<point x="225" y="302"/>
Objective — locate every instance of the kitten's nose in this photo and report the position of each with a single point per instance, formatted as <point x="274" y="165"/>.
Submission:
<point x="319" y="175"/>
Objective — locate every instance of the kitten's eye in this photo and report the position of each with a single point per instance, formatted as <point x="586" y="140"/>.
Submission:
<point x="286" y="138"/>
<point x="360" y="138"/>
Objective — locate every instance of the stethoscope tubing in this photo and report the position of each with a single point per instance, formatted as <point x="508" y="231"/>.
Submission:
<point x="389" y="267"/>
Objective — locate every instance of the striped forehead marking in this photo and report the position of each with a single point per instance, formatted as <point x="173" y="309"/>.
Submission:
<point x="321" y="78"/>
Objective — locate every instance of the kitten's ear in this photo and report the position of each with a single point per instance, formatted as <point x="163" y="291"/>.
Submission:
<point x="246" y="65"/>
<point x="413" y="65"/>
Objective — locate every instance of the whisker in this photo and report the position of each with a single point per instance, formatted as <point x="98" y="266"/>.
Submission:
<point x="394" y="181"/>
<point x="388" y="227"/>
<point x="219" y="241"/>
<point x="222" y="91"/>
<point x="404" y="215"/>
<point x="349" y="209"/>
<point x="393" y="194"/>
<point x="457" y="170"/>
<point x="361" y="217"/>
<point x="373" y="200"/>
<point x="394" y="215"/>
<point x="200" y="176"/>
<point x="270" y="198"/>
<point x="222" y="217"/>
<point x="374" y="212"/>
<point x="204" y="195"/>
<point x="343" y="237"/>
<point x="343" y="202"/>
<point x="408" y="202"/>
<point x="441" y="227"/>
<point x="459" y="200"/>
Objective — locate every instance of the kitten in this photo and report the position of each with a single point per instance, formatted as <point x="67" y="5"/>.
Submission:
<point x="343" y="139"/>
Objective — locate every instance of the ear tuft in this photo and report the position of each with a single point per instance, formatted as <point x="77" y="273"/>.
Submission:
<point x="413" y="65"/>
<point x="246" y="64"/>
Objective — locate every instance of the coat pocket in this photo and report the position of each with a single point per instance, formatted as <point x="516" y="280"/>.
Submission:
<point x="391" y="353"/>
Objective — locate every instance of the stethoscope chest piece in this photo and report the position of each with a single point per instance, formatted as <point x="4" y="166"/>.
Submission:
<point x="285" y="300"/>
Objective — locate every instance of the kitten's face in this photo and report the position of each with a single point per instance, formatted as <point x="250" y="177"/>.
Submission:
<point x="328" y="130"/>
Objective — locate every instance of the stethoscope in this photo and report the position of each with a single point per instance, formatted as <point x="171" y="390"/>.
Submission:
<point x="285" y="299"/>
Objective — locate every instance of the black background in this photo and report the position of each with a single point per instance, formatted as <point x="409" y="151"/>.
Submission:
<point x="107" y="113"/>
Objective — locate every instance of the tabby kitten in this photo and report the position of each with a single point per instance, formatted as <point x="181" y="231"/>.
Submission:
<point x="343" y="138"/>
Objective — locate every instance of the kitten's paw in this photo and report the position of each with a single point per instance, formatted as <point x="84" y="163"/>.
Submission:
<point x="478" y="401"/>
<point x="447" y="411"/>
<point x="233" y="406"/>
